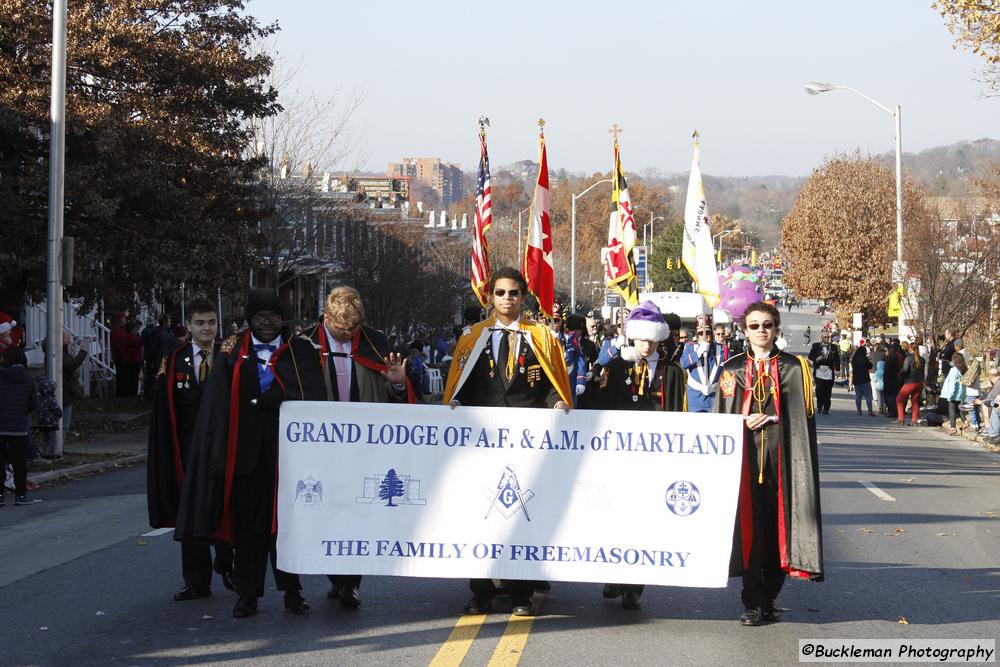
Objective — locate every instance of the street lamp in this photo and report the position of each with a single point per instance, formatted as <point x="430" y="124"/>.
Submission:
<point x="721" y="235"/>
<point x="650" y="225"/>
<point x="572" y="245"/>
<point x="519" y="213"/>
<point x="815" y="88"/>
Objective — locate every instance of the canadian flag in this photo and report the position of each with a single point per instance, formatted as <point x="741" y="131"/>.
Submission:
<point x="537" y="269"/>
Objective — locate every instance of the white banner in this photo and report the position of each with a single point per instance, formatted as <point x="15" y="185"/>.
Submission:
<point x="512" y="493"/>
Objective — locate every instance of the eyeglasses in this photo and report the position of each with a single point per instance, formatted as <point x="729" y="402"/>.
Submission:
<point x="556" y="318"/>
<point x="704" y="333"/>
<point x="349" y="329"/>
<point x="753" y="326"/>
<point x="682" y="338"/>
<point x="513" y="293"/>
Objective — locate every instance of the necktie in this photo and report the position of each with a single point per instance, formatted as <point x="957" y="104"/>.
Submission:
<point x="642" y="376"/>
<point x="341" y="366"/>
<point x="264" y="373"/>
<point x="203" y="368"/>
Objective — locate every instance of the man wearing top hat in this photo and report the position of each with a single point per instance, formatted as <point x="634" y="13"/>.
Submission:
<point x="228" y="491"/>
<point x="702" y="359"/>
<point x="506" y="360"/>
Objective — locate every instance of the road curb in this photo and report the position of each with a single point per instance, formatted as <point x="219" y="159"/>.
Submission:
<point x="99" y="466"/>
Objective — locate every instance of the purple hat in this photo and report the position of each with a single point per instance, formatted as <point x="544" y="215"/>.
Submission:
<point x="646" y="322"/>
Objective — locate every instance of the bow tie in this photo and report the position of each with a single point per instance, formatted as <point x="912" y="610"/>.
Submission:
<point x="264" y="346"/>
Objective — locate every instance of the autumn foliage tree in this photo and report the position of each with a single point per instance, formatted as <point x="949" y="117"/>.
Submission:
<point x="158" y="187"/>
<point x="839" y="241"/>
<point x="975" y="25"/>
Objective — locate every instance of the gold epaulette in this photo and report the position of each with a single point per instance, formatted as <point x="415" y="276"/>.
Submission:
<point x="807" y="385"/>
<point x="229" y="344"/>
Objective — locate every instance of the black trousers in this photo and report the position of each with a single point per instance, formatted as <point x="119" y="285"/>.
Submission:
<point x="253" y="507"/>
<point x="763" y="578"/>
<point x="197" y="563"/>
<point x="14" y="450"/>
<point x="127" y="378"/>
<point x="518" y="589"/>
<point x="342" y="581"/>
<point x="824" y="389"/>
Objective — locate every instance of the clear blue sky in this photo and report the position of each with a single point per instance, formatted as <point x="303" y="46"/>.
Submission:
<point x="732" y="69"/>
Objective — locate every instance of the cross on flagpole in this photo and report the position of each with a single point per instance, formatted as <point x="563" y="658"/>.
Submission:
<point x="615" y="131"/>
<point x="541" y="125"/>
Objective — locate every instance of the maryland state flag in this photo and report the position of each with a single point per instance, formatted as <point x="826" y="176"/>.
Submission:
<point x="619" y="263"/>
<point x="538" y="269"/>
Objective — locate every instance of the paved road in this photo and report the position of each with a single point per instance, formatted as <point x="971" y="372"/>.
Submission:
<point x="911" y="532"/>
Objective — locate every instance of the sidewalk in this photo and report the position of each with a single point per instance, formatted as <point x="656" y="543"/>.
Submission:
<point x="114" y="439"/>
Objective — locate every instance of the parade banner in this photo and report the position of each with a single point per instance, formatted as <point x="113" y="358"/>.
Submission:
<point x="512" y="493"/>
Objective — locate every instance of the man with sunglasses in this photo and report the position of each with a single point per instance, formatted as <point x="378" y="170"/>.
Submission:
<point x="506" y="360"/>
<point x="778" y="526"/>
<point x="702" y="359"/>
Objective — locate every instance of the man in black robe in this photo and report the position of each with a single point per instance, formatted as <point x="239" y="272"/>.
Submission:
<point x="228" y="493"/>
<point x="642" y="377"/>
<point x="183" y="375"/>
<point x="778" y="524"/>
<point x="341" y="359"/>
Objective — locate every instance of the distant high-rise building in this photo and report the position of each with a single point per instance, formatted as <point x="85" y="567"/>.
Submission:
<point x="444" y="178"/>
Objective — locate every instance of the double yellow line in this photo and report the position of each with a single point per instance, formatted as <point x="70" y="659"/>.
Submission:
<point x="507" y="653"/>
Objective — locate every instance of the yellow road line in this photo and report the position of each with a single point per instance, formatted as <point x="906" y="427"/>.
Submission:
<point x="511" y="646"/>
<point x="453" y="651"/>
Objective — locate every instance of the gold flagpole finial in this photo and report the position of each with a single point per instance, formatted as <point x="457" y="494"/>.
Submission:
<point x="696" y="136"/>
<point x="484" y="123"/>
<point x="541" y="125"/>
<point x="615" y="131"/>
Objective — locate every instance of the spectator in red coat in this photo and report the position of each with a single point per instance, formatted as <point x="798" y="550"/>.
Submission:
<point x="126" y="350"/>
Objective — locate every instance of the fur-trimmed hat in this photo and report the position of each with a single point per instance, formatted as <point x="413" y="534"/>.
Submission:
<point x="645" y="322"/>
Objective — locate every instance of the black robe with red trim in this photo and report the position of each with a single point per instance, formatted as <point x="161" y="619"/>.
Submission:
<point x="176" y="401"/>
<point x="799" y="522"/>
<point x="300" y="364"/>
<point x="235" y="418"/>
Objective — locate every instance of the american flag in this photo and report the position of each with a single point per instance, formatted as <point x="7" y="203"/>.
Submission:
<point x="484" y="217"/>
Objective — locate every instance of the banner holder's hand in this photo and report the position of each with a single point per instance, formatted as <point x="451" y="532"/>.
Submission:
<point x="394" y="372"/>
<point x="562" y="405"/>
<point x="453" y="404"/>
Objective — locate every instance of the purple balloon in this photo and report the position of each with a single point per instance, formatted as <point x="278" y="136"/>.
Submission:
<point x="739" y="286"/>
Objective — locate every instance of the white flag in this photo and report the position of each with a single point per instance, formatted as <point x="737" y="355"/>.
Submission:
<point x="698" y="254"/>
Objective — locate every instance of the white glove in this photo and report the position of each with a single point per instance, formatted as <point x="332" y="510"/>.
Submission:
<point x="580" y="388"/>
<point x="620" y="342"/>
<point x="701" y="349"/>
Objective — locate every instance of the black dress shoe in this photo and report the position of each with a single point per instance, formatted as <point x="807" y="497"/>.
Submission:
<point x="350" y="597"/>
<point x="631" y="600"/>
<point x="522" y="607"/>
<point x="479" y="605"/>
<point x="769" y="614"/>
<point x="227" y="580"/>
<point x="611" y="591"/>
<point x="192" y="593"/>
<point x="295" y="603"/>
<point x="245" y="607"/>
<point x="751" y="617"/>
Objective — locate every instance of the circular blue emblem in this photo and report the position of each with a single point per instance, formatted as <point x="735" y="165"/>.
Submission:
<point x="683" y="498"/>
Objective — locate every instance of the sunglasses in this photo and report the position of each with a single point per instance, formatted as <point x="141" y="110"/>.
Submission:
<point x="514" y="293"/>
<point x="753" y="326"/>
<point x="554" y="319"/>
<point x="682" y="338"/>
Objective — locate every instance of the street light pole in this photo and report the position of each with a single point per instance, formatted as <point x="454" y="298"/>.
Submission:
<point x="57" y="155"/>
<point x="572" y="244"/>
<point x="519" y="213"/>
<point x="815" y="88"/>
